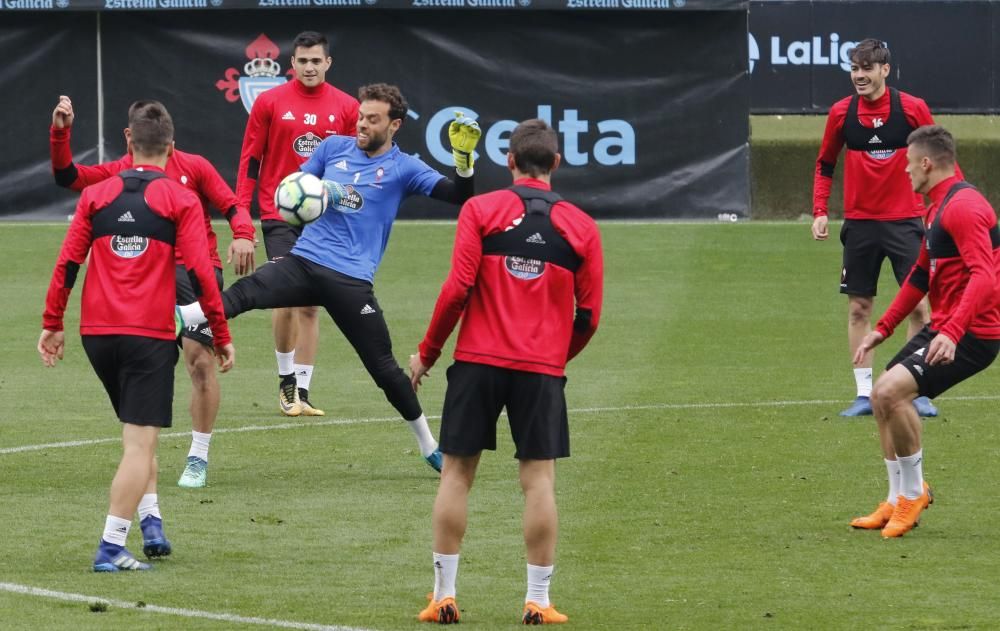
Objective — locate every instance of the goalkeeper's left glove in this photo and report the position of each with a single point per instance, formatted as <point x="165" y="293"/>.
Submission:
<point x="464" y="133"/>
<point x="334" y="193"/>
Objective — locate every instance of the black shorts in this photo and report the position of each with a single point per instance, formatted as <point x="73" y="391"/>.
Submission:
<point x="868" y="242"/>
<point x="536" y="410"/>
<point x="294" y="281"/>
<point x="972" y="354"/>
<point x="138" y="374"/>
<point x="279" y="237"/>
<point x="201" y="333"/>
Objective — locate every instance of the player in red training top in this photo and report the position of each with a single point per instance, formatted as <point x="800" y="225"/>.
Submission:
<point x="881" y="211"/>
<point x="523" y="259"/>
<point x="286" y="125"/>
<point x="959" y="270"/>
<point x="129" y="225"/>
<point x="198" y="175"/>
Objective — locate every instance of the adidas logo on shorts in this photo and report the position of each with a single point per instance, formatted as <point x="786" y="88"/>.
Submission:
<point x="367" y="309"/>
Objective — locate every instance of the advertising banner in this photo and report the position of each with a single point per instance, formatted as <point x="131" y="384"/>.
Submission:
<point x="943" y="52"/>
<point x="468" y="5"/>
<point x="644" y="131"/>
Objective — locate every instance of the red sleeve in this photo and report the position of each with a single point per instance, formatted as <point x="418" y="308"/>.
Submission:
<point x="193" y="244"/>
<point x="217" y="192"/>
<point x="76" y="176"/>
<point x="589" y="290"/>
<point x="912" y="291"/>
<point x="73" y="253"/>
<point x="252" y="153"/>
<point x="465" y="259"/>
<point x="829" y="151"/>
<point x="969" y="222"/>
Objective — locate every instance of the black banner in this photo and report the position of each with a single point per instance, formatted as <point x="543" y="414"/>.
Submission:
<point x="43" y="58"/>
<point x="943" y="52"/>
<point x="644" y="132"/>
<point x="471" y="5"/>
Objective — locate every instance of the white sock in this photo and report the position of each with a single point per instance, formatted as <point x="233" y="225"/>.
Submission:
<point x="445" y="571"/>
<point x="539" y="577"/>
<point x="286" y="362"/>
<point x="149" y="505"/>
<point x="199" y="445"/>
<point x="192" y="314"/>
<point x="911" y="475"/>
<point x="116" y="530"/>
<point x="303" y="375"/>
<point x="892" y="468"/>
<point x="423" y="433"/>
<point x="863" y="379"/>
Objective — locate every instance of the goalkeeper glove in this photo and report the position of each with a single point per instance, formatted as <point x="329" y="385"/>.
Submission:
<point x="334" y="193"/>
<point x="464" y="133"/>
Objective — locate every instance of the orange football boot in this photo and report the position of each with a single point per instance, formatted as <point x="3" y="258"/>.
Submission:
<point x="883" y="513"/>
<point x="444" y="611"/>
<point x="875" y="520"/>
<point x="906" y="517"/>
<point x="533" y="614"/>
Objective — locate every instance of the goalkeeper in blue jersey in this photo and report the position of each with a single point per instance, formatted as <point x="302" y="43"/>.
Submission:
<point x="333" y="262"/>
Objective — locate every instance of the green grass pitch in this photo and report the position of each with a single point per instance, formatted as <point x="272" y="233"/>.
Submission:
<point x="710" y="485"/>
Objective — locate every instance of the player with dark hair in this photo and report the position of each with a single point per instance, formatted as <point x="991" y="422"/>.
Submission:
<point x="198" y="175"/>
<point x="129" y="225"/>
<point x="333" y="263"/>
<point x="881" y="212"/>
<point x="523" y="260"/>
<point x="286" y="125"/>
<point x="959" y="269"/>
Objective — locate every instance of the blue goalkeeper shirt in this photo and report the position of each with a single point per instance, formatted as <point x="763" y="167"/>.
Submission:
<point x="351" y="237"/>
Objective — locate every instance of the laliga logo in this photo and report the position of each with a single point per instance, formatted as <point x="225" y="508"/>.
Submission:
<point x="262" y="73"/>
<point x="754" y="50"/>
<point x="615" y="146"/>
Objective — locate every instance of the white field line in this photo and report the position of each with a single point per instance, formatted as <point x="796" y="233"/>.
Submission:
<point x="172" y="611"/>
<point x="389" y="419"/>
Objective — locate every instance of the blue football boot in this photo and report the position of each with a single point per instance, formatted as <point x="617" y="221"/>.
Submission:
<point x="925" y="407"/>
<point x="115" y="558"/>
<point x="154" y="543"/>
<point x="435" y="460"/>
<point x="862" y="406"/>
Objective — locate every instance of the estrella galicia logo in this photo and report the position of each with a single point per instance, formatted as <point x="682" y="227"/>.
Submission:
<point x="525" y="269"/>
<point x="882" y="154"/>
<point x="128" y="247"/>
<point x="305" y="144"/>
<point x="351" y="202"/>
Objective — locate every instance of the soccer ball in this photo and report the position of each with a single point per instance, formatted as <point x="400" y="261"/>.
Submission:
<point x="300" y="198"/>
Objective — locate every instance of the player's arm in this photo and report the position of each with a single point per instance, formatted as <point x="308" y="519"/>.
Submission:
<point x="73" y="253"/>
<point x="193" y="244"/>
<point x="826" y="163"/>
<point x="588" y="285"/>
<point x="464" y="134"/>
<point x="217" y="192"/>
<point x="252" y="152"/>
<point x="465" y="259"/>
<point x="969" y="222"/>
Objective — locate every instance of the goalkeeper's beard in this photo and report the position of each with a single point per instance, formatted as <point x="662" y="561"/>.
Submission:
<point x="375" y="142"/>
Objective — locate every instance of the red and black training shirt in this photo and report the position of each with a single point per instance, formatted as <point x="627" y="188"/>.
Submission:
<point x="517" y="314"/>
<point x="959" y="267"/>
<point x="130" y="225"/>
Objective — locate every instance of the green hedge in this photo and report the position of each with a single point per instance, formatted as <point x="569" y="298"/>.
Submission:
<point x="783" y="153"/>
